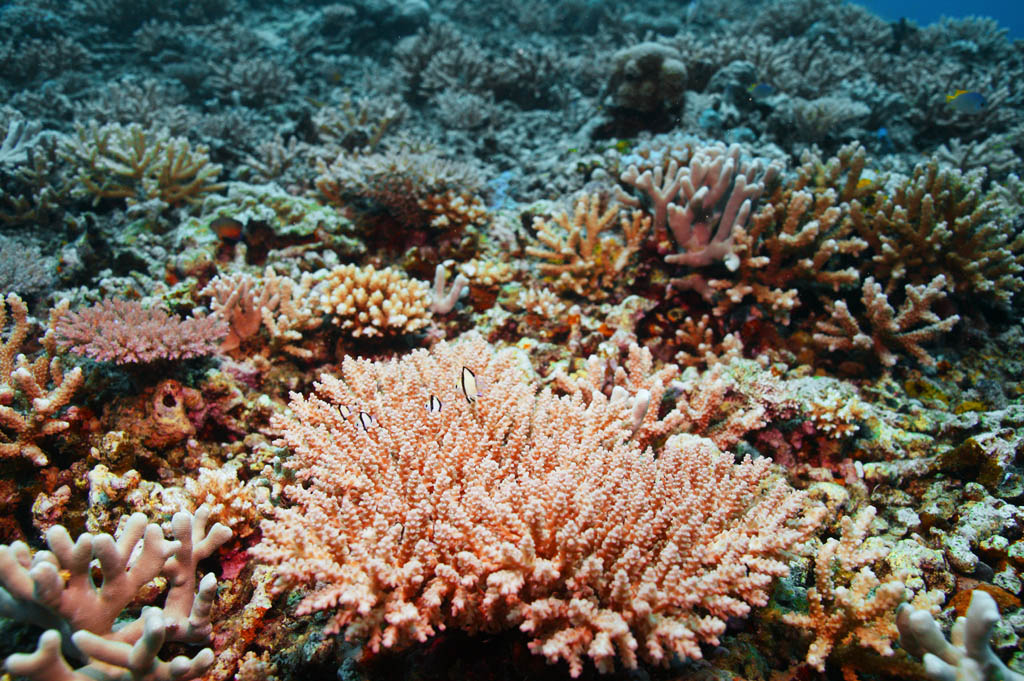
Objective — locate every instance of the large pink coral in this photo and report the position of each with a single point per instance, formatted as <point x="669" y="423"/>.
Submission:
<point x="417" y="509"/>
<point x="126" y="332"/>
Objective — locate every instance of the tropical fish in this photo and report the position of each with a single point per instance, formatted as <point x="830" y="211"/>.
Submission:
<point x="345" y="411"/>
<point x="966" y="101"/>
<point x="469" y="386"/>
<point x="365" y="420"/>
<point x="883" y="138"/>
<point x="434" y="405"/>
<point x="760" y="91"/>
<point x="228" y="229"/>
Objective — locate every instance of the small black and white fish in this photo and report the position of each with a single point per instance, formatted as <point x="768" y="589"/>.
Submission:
<point x="345" y="411"/>
<point x="434" y="405"/>
<point x="365" y="420"/>
<point x="469" y="386"/>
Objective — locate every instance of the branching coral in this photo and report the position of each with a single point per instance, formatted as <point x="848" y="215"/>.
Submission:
<point x="579" y="258"/>
<point x="968" y="655"/>
<point x="55" y="590"/>
<point x="126" y="332"/>
<point x="941" y="222"/>
<point x="861" y="613"/>
<point x="418" y="189"/>
<point x="907" y="329"/>
<point x="688" y="198"/>
<point x="798" y="239"/>
<point x="428" y="505"/>
<point x="366" y="301"/>
<point x="32" y="393"/>
<point x="279" y="304"/>
<point x="115" y="161"/>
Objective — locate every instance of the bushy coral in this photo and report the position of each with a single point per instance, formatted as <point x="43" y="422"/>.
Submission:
<point x="126" y="332"/>
<point x="115" y="161"/>
<point x="437" y="500"/>
<point x="366" y="301"/>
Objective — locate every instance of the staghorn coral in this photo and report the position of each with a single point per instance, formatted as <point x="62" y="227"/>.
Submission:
<point x="686" y="197"/>
<point x="251" y="81"/>
<point x="24" y="269"/>
<point x="699" y="346"/>
<point x="905" y="329"/>
<point x="279" y="304"/>
<point x="115" y="161"/>
<point x="126" y="332"/>
<point x="578" y="258"/>
<point x="35" y="189"/>
<point x="30" y="409"/>
<point x="518" y="509"/>
<point x="941" y="222"/>
<point x="276" y="160"/>
<point x="370" y="302"/>
<point x="860" y="614"/>
<point x="799" y="238"/>
<point x="357" y="123"/>
<point x="55" y="590"/>
<point x="19" y="138"/>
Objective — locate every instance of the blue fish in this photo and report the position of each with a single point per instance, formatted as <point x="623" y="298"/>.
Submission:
<point x="761" y="91"/>
<point x="966" y="101"/>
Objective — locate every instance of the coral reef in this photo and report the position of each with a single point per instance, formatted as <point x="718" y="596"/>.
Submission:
<point x="518" y="339"/>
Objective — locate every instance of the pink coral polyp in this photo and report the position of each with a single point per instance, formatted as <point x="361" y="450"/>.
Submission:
<point x="126" y="332"/>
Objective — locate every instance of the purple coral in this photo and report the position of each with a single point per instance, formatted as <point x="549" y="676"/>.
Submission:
<point x="126" y="332"/>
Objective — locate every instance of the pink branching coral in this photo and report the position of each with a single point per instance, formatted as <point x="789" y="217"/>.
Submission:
<point x="702" y="199"/>
<point x="425" y="500"/>
<point x="906" y="329"/>
<point x="126" y="332"/>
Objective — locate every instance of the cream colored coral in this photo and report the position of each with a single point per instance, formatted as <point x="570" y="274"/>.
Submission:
<point x="861" y="611"/>
<point x="580" y="254"/>
<point x="371" y="302"/>
<point x="234" y="503"/>
<point x="33" y="394"/>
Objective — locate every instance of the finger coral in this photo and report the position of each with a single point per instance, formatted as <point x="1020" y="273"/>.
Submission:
<point x="581" y="255"/>
<point x="54" y="590"/>
<point x="425" y="500"/>
<point x="115" y="161"/>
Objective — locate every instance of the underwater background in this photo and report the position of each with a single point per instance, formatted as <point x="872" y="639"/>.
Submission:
<point x="1008" y="14"/>
<point x="450" y="339"/>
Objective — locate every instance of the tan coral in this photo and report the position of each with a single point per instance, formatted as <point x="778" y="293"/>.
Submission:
<point x="371" y="302"/>
<point x="799" y="236"/>
<point x="115" y="161"/>
<point x="32" y="393"/>
<point x="237" y="504"/>
<point x="862" y="613"/>
<point x="580" y="256"/>
<point x="281" y="305"/>
<point x="941" y="222"/>
<point x="889" y="330"/>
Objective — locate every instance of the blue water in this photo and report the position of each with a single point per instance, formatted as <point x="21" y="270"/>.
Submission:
<point x="1008" y="14"/>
